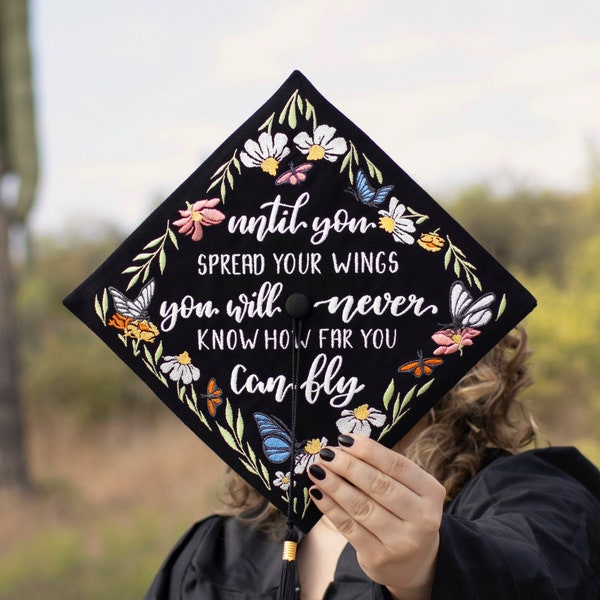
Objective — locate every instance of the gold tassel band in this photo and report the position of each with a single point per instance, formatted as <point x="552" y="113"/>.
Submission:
<point x="289" y="551"/>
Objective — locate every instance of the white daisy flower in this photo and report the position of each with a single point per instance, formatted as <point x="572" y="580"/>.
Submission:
<point x="180" y="368"/>
<point x="360" y="420"/>
<point x="322" y="144"/>
<point x="395" y="223"/>
<point x="266" y="153"/>
<point x="282" y="480"/>
<point x="309" y="454"/>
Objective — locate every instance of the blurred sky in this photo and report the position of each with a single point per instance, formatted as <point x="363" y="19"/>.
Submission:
<point x="133" y="94"/>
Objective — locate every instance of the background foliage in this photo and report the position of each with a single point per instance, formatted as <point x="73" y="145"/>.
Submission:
<point x="106" y="536"/>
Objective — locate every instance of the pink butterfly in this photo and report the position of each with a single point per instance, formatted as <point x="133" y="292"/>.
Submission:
<point x="295" y="175"/>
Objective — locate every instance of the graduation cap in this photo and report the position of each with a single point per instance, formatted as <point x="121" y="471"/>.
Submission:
<point x="298" y="285"/>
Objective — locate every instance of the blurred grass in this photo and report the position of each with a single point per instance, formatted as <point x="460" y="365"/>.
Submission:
<point x="98" y="560"/>
<point x="99" y="525"/>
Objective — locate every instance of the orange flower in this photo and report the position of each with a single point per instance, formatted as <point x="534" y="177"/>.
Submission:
<point x="142" y="330"/>
<point x="118" y="321"/>
<point x="432" y="242"/>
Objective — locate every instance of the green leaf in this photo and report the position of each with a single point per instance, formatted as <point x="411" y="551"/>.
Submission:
<point x="251" y="454"/>
<point x="142" y="256"/>
<point x="229" y="415"/>
<point x="383" y="432"/>
<point x="408" y="397"/>
<point x="227" y="437"/>
<point x="153" y="243"/>
<point x="425" y="387"/>
<point x="98" y="309"/>
<point x="311" y="114"/>
<point x="282" y="115"/>
<point x="219" y="171"/>
<point x="456" y="267"/>
<point x="158" y="353"/>
<point x="239" y="426"/>
<point x="447" y="258"/>
<point x="370" y="168"/>
<point x="502" y="306"/>
<point x="173" y="238"/>
<point x="345" y="162"/>
<point x="203" y="419"/>
<point x="146" y="272"/>
<point x="265" y="473"/>
<point x="131" y="270"/>
<point x="133" y="280"/>
<point x="191" y="406"/>
<point x="396" y="409"/>
<point x="478" y="283"/>
<point x="267" y="124"/>
<point x="248" y="466"/>
<point x="378" y="175"/>
<point x="223" y="190"/>
<point x="104" y="302"/>
<point x="147" y="354"/>
<point x="300" y="103"/>
<point x="162" y="260"/>
<point x="215" y="183"/>
<point x="230" y="179"/>
<point x="236" y="164"/>
<point x="387" y="396"/>
<point x="292" y="120"/>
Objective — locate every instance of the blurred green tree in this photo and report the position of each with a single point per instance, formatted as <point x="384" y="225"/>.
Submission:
<point x="61" y="359"/>
<point x="18" y="182"/>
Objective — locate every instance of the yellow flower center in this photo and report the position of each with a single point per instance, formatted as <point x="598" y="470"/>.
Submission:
<point x="457" y="339"/>
<point x="285" y="479"/>
<point x="269" y="165"/>
<point x="387" y="224"/>
<point x="313" y="446"/>
<point x="197" y="216"/>
<point x="316" y="152"/>
<point x="362" y="412"/>
<point x="184" y="358"/>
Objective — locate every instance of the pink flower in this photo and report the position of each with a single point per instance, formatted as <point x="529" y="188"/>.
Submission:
<point x="198" y="214"/>
<point x="453" y="340"/>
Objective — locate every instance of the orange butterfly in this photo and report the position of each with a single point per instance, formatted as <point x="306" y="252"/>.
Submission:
<point x="421" y="366"/>
<point x="213" y="396"/>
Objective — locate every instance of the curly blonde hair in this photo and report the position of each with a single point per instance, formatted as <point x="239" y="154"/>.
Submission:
<point x="482" y="412"/>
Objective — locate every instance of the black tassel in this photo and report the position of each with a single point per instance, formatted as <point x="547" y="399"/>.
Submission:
<point x="287" y="584"/>
<point x="297" y="306"/>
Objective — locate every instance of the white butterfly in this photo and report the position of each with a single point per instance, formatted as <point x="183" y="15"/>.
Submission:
<point x="467" y="312"/>
<point x="134" y="309"/>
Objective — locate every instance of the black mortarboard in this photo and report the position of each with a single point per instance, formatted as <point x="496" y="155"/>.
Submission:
<point x="299" y="285"/>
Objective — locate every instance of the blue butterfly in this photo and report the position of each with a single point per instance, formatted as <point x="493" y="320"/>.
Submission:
<point x="276" y="438"/>
<point x="364" y="192"/>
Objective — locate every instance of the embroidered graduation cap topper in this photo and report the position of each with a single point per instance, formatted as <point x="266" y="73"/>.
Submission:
<point x="296" y="286"/>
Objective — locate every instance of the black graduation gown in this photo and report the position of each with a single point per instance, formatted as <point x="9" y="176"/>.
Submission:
<point x="526" y="526"/>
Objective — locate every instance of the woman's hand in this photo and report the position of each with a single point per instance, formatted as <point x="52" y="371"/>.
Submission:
<point x="387" y="507"/>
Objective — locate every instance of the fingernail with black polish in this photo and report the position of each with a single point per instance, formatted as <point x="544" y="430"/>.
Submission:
<point x="317" y="472"/>
<point x="327" y="454"/>
<point x="316" y="493"/>
<point x="345" y="440"/>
